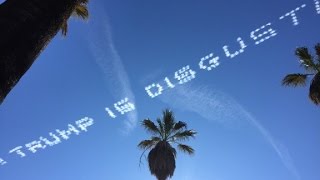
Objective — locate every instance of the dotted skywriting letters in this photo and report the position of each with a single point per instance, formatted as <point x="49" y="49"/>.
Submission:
<point x="184" y="75"/>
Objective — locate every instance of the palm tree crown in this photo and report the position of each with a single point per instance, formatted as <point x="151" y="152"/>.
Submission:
<point x="81" y="11"/>
<point x="312" y="67"/>
<point x="161" y="157"/>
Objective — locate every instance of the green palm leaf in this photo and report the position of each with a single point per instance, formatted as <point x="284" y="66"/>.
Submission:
<point x="160" y="127"/>
<point x="295" y="80"/>
<point x="314" y="91"/>
<point x="304" y="55"/>
<point x="306" y="59"/>
<point x="81" y="11"/>
<point x="169" y="121"/>
<point x="186" y="149"/>
<point x="150" y="126"/>
<point x="180" y="125"/>
<point x="146" y="144"/>
<point x="184" y="135"/>
<point x="156" y="139"/>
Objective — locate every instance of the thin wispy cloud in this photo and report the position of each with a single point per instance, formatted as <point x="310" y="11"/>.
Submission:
<point x="108" y="59"/>
<point x="279" y="148"/>
<point x="220" y="107"/>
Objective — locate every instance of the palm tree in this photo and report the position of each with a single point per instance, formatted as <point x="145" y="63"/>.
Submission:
<point x="312" y="67"/>
<point x="167" y="132"/>
<point x="27" y="26"/>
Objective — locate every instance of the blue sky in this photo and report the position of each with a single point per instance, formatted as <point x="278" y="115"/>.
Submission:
<point x="249" y="126"/>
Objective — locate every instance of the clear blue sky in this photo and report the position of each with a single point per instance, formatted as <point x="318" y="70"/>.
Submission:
<point x="249" y="126"/>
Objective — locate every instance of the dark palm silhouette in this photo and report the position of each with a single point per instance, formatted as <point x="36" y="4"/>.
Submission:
<point x="312" y="67"/>
<point x="27" y="26"/>
<point x="167" y="132"/>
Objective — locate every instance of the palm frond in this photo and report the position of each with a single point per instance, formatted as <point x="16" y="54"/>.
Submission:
<point x="81" y="11"/>
<point x="150" y="126"/>
<point x="295" y="80"/>
<point x="64" y="28"/>
<point x="179" y="125"/>
<point x="186" y="149"/>
<point x="161" y="127"/>
<point x="317" y="49"/>
<point x="83" y="1"/>
<point x="184" y="135"/>
<point x="314" y="91"/>
<point x="156" y="139"/>
<point x="174" y="152"/>
<point x="146" y="144"/>
<point x="169" y="121"/>
<point x="306" y="59"/>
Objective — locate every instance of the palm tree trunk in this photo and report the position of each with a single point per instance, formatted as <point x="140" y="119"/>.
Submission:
<point x="26" y="27"/>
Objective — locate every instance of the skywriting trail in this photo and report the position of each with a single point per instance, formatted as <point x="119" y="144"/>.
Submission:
<point x="210" y="62"/>
<point x="182" y="76"/>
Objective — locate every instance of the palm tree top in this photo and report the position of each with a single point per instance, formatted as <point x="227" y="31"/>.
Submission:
<point x="311" y="64"/>
<point x="165" y="132"/>
<point x="167" y="129"/>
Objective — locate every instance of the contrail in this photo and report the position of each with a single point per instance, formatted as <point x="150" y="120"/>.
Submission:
<point x="280" y="149"/>
<point x="108" y="59"/>
<point x="220" y="107"/>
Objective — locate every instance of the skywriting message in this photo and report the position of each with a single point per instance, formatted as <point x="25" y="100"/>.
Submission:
<point x="182" y="76"/>
<point x="210" y="62"/>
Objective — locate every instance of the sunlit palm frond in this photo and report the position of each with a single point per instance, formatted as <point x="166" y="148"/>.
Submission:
<point x="305" y="58"/>
<point x="64" y="28"/>
<point x="186" y="149"/>
<point x="184" y="135"/>
<point x="314" y="91"/>
<point x="81" y="11"/>
<point x="295" y="80"/>
<point x="150" y="126"/>
<point x="179" y="125"/>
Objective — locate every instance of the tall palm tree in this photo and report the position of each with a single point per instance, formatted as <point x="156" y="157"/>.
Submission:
<point x="167" y="132"/>
<point x="312" y="67"/>
<point x="27" y="26"/>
